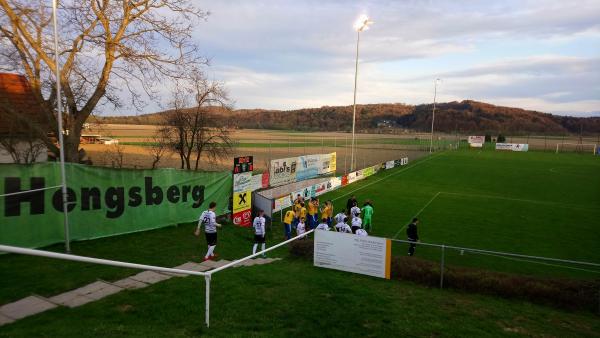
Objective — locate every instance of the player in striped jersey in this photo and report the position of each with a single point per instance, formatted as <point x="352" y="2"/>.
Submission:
<point x="343" y="226"/>
<point x="362" y="232"/>
<point x="259" y="232"/>
<point x="208" y="218"/>
<point x="356" y="224"/>
<point x="323" y="225"/>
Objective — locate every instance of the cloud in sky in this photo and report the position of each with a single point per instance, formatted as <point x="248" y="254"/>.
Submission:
<point x="542" y="55"/>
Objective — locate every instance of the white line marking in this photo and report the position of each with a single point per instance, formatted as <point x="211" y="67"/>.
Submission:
<point x="560" y="204"/>
<point x="383" y="178"/>
<point x="418" y="213"/>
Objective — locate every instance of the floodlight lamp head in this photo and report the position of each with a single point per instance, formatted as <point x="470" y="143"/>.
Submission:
<point x="362" y="23"/>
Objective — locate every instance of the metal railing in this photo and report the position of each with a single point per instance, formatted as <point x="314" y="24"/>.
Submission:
<point x="207" y="274"/>
<point x="531" y="258"/>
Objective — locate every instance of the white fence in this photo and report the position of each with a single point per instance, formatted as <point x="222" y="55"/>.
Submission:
<point x="207" y="275"/>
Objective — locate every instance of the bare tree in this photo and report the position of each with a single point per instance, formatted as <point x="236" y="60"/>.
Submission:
<point x="115" y="154"/>
<point x="106" y="47"/>
<point x="161" y="145"/>
<point x="194" y="131"/>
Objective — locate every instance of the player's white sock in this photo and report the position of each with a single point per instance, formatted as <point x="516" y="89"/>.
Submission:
<point x="263" y="247"/>
<point x="254" y="248"/>
<point x="211" y="250"/>
<point x="207" y="252"/>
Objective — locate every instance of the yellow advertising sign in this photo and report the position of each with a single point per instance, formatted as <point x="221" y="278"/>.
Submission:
<point x="242" y="201"/>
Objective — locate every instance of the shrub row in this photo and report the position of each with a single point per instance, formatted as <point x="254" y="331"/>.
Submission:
<point x="569" y="294"/>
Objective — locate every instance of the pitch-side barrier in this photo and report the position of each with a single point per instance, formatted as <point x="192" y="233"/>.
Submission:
<point x="207" y="274"/>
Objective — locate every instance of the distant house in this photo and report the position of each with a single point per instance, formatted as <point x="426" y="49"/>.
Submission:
<point x="22" y="120"/>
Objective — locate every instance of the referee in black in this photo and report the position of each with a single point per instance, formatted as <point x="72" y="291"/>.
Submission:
<point x="413" y="235"/>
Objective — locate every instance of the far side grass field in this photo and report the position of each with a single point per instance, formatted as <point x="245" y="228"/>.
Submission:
<point x="532" y="203"/>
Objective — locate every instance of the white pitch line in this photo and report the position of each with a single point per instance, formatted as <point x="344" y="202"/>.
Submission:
<point x="520" y="200"/>
<point x="383" y="178"/>
<point x="418" y="213"/>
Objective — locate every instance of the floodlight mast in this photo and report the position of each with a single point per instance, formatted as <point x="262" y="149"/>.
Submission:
<point x="61" y="144"/>
<point x="433" y="112"/>
<point x="361" y="24"/>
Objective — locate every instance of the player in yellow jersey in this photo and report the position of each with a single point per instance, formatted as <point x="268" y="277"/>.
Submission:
<point x="287" y="223"/>
<point x="327" y="212"/>
<point x="313" y="210"/>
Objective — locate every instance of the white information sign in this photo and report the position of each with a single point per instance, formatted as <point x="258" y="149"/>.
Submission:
<point x="347" y="252"/>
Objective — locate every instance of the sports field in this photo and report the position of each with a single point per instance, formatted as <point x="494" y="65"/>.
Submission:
<point x="531" y="203"/>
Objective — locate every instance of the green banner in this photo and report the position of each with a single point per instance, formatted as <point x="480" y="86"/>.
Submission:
<point x="102" y="201"/>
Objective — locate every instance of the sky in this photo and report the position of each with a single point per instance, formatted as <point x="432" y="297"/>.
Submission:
<point x="539" y="55"/>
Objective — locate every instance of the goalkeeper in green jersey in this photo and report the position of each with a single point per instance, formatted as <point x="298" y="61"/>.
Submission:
<point x="367" y="211"/>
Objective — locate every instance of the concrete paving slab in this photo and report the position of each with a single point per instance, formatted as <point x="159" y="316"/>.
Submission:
<point x="128" y="283"/>
<point x="26" y="307"/>
<point x="150" y="277"/>
<point x="106" y="290"/>
<point x="190" y="266"/>
<point x="71" y="299"/>
<point x="215" y="264"/>
<point x="5" y="320"/>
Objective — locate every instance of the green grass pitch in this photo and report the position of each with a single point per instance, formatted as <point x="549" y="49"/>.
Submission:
<point x="531" y="203"/>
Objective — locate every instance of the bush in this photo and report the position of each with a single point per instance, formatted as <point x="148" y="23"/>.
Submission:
<point x="501" y="139"/>
<point x="488" y="138"/>
<point x="562" y="293"/>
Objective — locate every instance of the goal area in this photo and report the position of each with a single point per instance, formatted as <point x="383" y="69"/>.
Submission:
<point x="589" y="148"/>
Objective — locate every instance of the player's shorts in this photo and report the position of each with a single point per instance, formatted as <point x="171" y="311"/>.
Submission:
<point x="259" y="238"/>
<point x="354" y="228"/>
<point x="211" y="238"/>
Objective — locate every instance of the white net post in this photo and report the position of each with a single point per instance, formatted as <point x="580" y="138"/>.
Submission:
<point x="207" y="306"/>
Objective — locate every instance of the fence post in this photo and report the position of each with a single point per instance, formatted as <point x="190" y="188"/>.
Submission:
<point x="442" y="267"/>
<point x="207" y="306"/>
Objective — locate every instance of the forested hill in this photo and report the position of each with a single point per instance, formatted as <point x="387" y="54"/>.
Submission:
<point x="465" y="116"/>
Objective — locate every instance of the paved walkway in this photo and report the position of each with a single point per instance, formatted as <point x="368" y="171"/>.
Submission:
<point x="35" y="304"/>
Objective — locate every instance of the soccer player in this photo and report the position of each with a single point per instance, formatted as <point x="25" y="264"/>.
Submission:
<point x="413" y="235"/>
<point x="259" y="232"/>
<point x="208" y="218"/>
<point x="323" y="225"/>
<point x="313" y="210"/>
<point x="362" y="232"/>
<point x="351" y="202"/>
<point x="287" y="223"/>
<point x="339" y="218"/>
<point x="301" y="228"/>
<point x="356" y="224"/>
<point x="296" y="209"/>
<point x="367" y="212"/>
<point x="327" y="212"/>
<point x="355" y="210"/>
<point x="343" y="226"/>
<point x="303" y="213"/>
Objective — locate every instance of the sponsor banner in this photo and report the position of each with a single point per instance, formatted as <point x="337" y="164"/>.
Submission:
<point x="328" y="163"/>
<point x="259" y="181"/>
<point x="476" y="145"/>
<point x="512" y="146"/>
<point x="242" y="181"/>
<point x="368" y="171"/>
<point x="335" y="182"/>
<point x="309" y="166"/>
<point x="243" y="164"/>
<point x="347" y="252"/>
<point x="103" y="201"/>
<point x="355" y="176"/>
<point x="398" y="163"/>
<point x="292" y="169"/>
<point x="405" y="161"/>
<point x="282" y="203"/>
<point x="283" y="171"/>
<point x="476" y="139"/>
<point x="389" y="164"/>
<point x="242" y="201"/>
<point x="243" y="218"/>
<point x="344" y="180"/>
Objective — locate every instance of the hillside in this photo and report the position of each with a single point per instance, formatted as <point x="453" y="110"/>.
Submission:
<point x="465" y="116"/>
